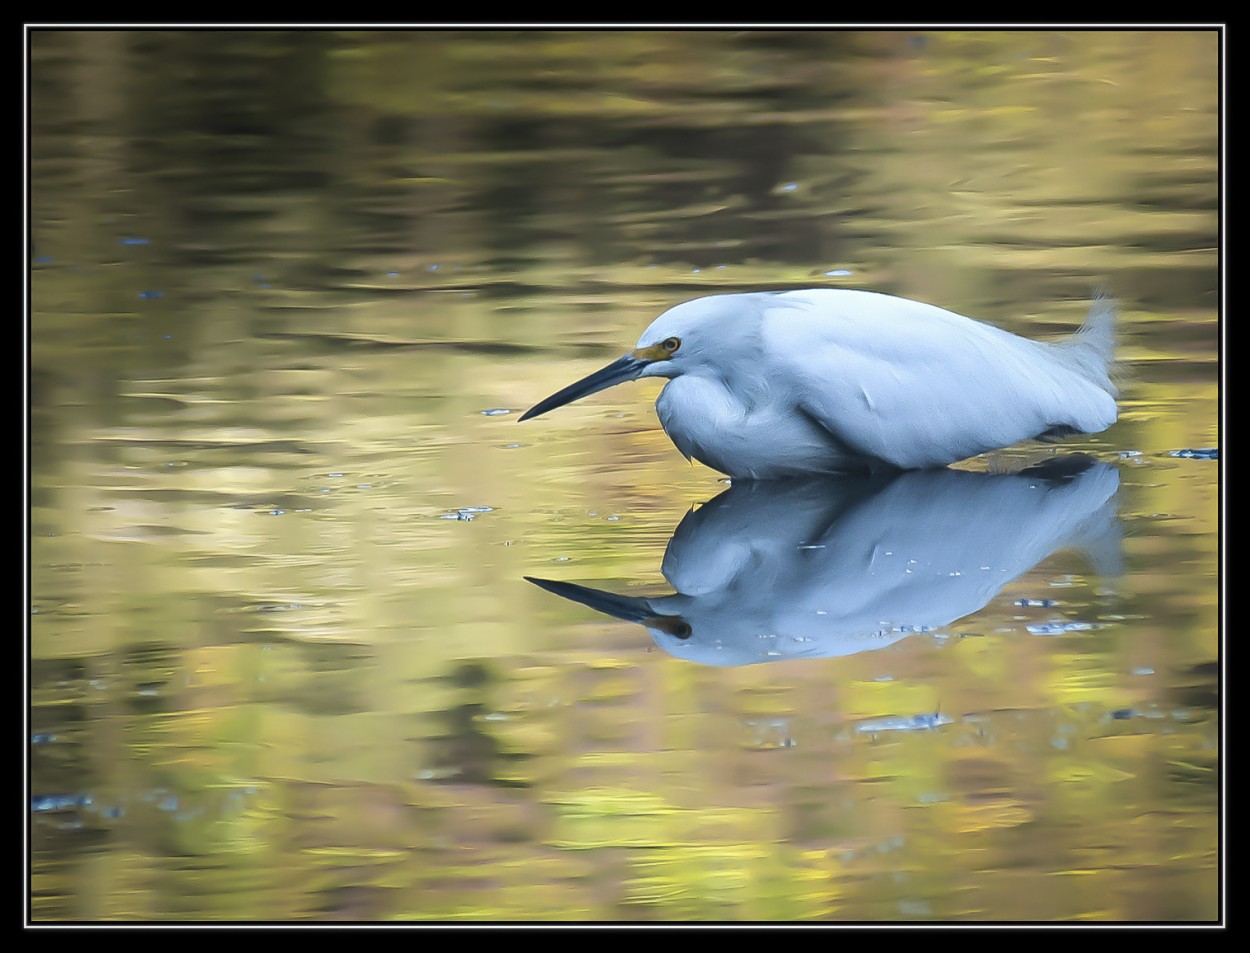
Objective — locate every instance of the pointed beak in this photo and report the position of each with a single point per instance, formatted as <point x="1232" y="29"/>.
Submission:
<point x="627" y="368"/>
<point x="629" y="608"/>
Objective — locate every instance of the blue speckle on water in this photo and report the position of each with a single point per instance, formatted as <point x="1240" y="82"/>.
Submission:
<point x="134" y="241"/>
<point x="790" y="187"/>
<point x="43" y="260"/>
<point x="58" y="802"/>
<point x="912" y="723"/>
<point x="151" y="294"/>
<point x="392" y="274"/>
<point x="466" y="513"/>
<point x="1122" y="714"/>
<point x="496" y="412"/>
<point x="433" y="267"/>
<point x="1059" y="628"/>
<point x="1206" y="453"/>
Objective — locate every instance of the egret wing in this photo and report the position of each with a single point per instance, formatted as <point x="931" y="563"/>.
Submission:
<point x="918" y="386"/>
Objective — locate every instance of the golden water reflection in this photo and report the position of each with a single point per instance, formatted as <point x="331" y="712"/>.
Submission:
<point x="289" y="293"/>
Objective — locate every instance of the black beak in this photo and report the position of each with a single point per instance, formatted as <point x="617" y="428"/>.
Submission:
<point x="627" y="368"/>
<point x="629" y="608"/>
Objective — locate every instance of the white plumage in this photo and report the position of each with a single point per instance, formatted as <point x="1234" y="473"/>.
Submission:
<point x="767" y="385"/>
<point x="770" y="571"/>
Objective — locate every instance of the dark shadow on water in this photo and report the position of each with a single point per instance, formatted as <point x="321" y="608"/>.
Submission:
<point x="832" y="567"/>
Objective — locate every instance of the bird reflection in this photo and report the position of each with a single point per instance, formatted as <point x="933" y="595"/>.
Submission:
<point x="841" y="565"/>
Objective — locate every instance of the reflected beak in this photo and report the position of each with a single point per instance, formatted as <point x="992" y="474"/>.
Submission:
<point x="629" y="608"/>
<point x="627" y="368"/>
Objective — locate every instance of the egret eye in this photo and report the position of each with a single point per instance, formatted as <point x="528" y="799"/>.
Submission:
<point x="671" y="344"/>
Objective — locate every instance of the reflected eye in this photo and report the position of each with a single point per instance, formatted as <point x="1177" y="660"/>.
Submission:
<point x="674" y="625"/>
<point x="671" y="344"/>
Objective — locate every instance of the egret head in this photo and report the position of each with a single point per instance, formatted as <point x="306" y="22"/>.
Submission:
<point x="681" y="339"/>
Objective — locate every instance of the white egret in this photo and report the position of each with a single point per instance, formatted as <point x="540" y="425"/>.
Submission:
<point x="833" y="566"/>
<point x="766" y="385"/>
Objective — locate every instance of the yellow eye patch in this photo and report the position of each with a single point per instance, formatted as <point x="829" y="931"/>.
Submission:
<point x="658" y="352"/>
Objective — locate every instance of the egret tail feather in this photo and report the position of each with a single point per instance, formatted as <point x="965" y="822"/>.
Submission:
<point x="1091" y="349"/>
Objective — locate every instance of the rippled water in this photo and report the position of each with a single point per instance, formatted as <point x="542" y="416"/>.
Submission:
<point x="319" y="632"/>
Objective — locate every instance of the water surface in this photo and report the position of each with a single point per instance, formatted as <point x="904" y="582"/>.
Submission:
<point x="290" y="292"/>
